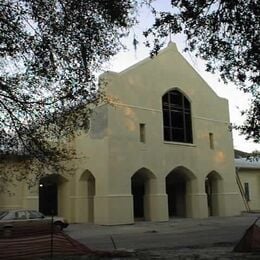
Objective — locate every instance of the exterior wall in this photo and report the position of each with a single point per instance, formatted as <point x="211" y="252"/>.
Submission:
<point x="110" y="155"/>
<point x="18" y="194"/>
<point x="137" y="93"/>
<point x="13" y="195"/>
<point x="13" y="198"/>
<point x="92" y="153"/>
<point x="252" y="177"/>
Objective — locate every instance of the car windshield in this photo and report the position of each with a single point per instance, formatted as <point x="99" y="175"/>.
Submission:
<point x="3" y="214"/>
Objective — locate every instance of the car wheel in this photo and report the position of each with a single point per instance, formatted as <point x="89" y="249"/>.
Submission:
<point x="58" y="226"/>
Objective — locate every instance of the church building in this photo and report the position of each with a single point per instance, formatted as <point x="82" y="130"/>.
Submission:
<point x="161" y="148"/>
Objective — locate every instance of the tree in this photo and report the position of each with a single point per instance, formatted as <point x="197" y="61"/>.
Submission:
<point x="50" y="52"/>
<point x="226" y="35"/>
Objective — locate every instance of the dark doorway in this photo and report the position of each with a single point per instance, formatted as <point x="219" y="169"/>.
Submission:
<point x="208" y="189"/>
<point x="212" y="189"/>
<point x="176" y="191"/>
<point x="178" y="186"/>
<point x="48" y="196"/>
<point x="91" y="194"/>
<point x="87" y="191"/>
<point x="138" y="192"/>
<point x="142" y="186"/>
<point x="176" y="199"/>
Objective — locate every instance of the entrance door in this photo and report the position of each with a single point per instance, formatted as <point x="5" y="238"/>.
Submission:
<point x="178" y="188"/>
<point x="212" y="188"/>
<point x="176" y="199"/>
<point x="141" y="186"/>
<point x="138" y="197"/>
<point x="48" y="197"/>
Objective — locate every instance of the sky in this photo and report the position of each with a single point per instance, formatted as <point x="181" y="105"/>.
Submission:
<point x="237" y="100"/>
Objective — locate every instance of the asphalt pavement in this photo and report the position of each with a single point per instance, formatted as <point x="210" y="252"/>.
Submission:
<point x="178" y="233"/>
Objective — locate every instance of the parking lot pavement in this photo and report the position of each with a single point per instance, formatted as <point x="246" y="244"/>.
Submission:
<point x="176" y="233"/>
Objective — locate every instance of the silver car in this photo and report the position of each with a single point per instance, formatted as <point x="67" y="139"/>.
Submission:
<point x="9" y="218"/>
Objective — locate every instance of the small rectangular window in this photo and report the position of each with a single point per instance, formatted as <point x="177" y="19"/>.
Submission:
<point x="246" y="187"/>
<point x="142" y="133"/>
<point x="211" y="141"/>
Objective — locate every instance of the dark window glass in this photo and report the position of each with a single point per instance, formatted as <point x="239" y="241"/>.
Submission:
<point x="142" y="133"/>
<point x="172" y="99"/>
<point x="176" y="117"/>
<point x="247" y="195"/>
<point x="188" y="128"/>
<point x="167" y="134"/>
<point x="178" y="134"/>
<point x="176" y="98"/>
<point x="166" y="117"/>
<point x="165" y="101"/>
<point x="211" y="141"/>
<point x="186" y="103"/>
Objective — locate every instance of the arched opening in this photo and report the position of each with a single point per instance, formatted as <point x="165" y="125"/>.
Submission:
<point x="88" y="191"/>
<point x="142" y="186"/>
<point x="212" y="189"/>
<point x="52" y="194"/>
<point x="178" y="185"/>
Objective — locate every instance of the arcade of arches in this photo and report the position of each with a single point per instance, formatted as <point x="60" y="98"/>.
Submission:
<point x="180" y="186"/>
<point x="55" y="199"/>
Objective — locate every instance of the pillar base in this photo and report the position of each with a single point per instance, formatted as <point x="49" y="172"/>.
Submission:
<point x="113" y="210"/>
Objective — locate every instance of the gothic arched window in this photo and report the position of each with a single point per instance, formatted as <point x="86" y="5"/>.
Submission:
<point x="176" y="117"/>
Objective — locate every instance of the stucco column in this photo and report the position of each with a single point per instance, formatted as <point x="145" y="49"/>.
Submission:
<point x="157" y="207"/>
<point x="196" y="199"/>
<point x="79" y="200"/>
<point x="156" y="201"/>
<point x="85" y="189"/>
<point x="196" y="205"/>
<point x="113" y="209"/>
<point x="226" y="200"/>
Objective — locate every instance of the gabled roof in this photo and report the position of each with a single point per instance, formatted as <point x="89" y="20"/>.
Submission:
<point x="174" y="56"/>
<point x="241" y="154"/>
<point x="171" y="46"/>
<point x="246" y="163"/>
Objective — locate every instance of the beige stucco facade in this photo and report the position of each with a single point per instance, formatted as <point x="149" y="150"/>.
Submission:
<point x="249" y="175"/>
<point x="125" y="170"/>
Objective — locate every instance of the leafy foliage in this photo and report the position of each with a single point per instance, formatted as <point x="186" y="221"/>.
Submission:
<point x="225" y="34"/>
<point x="50" y="52"/>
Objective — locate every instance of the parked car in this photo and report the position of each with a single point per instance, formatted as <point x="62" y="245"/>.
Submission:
<point x="9" y="218"/>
